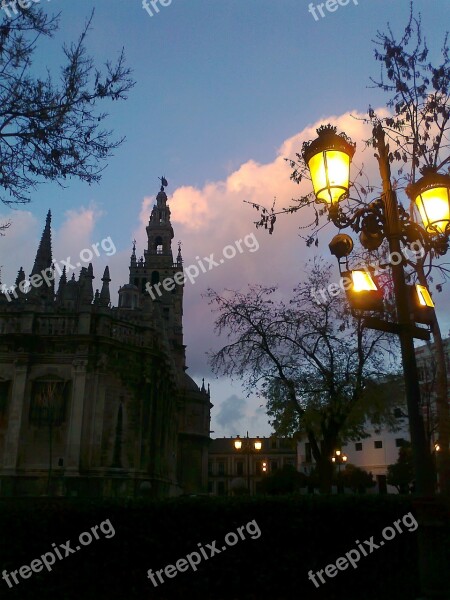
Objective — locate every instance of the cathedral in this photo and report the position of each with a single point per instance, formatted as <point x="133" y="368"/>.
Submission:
<point x="94" y="398"/>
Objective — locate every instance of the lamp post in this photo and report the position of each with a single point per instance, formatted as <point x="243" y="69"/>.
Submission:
<point x="339" y="459"/>
<point x="245" y="446"/>
<point x="328" y="159"/>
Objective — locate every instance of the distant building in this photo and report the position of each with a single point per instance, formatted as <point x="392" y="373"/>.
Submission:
<point x="231" y="471"/>
<point x="94" y="399"/>
<point x="373" y="454"/>
<point x="427" y="367"/>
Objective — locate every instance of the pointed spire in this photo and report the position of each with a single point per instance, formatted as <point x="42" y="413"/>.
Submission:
<point x="133" y="255"/>
<point x="203" y="386"/>
<point x="43" y="263"/>
<point x="105" y="297"/>
<point x="179" y="257"/>
<point x="20" y="277"/>
<point x="87" y="289"/>
<point x="61" y="286"/>
<point x="43" y="258"/>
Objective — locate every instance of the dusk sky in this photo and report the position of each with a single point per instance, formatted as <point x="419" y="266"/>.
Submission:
<point x="225" y="90"/>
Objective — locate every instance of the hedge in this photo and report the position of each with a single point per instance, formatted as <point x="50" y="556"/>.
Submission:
<point x="297" y="534"/>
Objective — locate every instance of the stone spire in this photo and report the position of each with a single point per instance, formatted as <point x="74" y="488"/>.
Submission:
<point x="179" y="257"/>
<point x="105" y="297"/>
<point x="43" y="258"/>
<point x="86" y="287"/>
<point x="20" y="277"/>
<point x="43" y="264"/>
<point x="133" y="255"/>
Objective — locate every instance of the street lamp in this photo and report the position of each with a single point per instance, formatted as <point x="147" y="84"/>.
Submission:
<point x="431" y="194"/>
<point x="247" y="448"/>
<point x="339" y="459"/>
<point x="328" y="159"/>
<point x="385" y="218"/>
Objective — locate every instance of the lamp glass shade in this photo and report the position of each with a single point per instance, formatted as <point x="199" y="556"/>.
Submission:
<point x="330" y="174"/>
<point x="238" y="444"/>
<point x="258" y="445"/>
<point x="424" y="296"/>
<point x="362" y="282"/>
<point x="434" y="208"/>
<point x="344" y="458"/>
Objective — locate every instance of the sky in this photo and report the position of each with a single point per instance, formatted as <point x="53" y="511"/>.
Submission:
<point x="224" y="92"/>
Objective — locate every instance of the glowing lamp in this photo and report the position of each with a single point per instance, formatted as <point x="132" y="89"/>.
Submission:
<point x="258" y="445"/>
<point x="431" y="195"/>
<point x="362" y="282"/>
<point x="344" y="458"/>
<point x="424" y="296"/>
<point x="362" y="291"/>
<point x="328" y="158"/>
<point x="238" y="443"/>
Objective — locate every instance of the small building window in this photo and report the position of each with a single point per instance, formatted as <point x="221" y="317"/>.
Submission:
<point x="210" y="487"/>
<point x="398" y="413"/>
<point x="378" y="444"/>
<point x="239" y="468"/>
<point x="155" y="277"/>
<point x="210" y="468"/>
<point x="399" y="442"/>
<point x="273" y="443"/>
<point x="308" y="454"/>
<point x="221" y="488"/>
<point x="221" y="468"/>
<point x="4" y="393"/>
<point x="358" y="446"/>
<point x="273" y="465"/>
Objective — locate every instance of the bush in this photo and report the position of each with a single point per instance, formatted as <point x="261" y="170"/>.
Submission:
<point x="299" y="533"/>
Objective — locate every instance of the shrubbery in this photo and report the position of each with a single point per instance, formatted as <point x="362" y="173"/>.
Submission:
<point x="298" y="533"/>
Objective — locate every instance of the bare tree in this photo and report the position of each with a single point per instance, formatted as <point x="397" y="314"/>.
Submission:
<point x="313" y="358"/>
<point x="51" y="129"/>
<point x="418" y="130"/>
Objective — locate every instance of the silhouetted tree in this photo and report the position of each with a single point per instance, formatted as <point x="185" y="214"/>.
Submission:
<point x="401" y="474"/>
<point x="50" y="128"/>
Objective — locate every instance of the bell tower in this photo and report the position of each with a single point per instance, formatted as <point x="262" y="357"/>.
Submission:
<point x="157" y="274"/>
<point x="160" y="232"/>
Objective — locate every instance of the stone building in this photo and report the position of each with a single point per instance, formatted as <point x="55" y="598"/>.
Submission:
<point x="95" y="399"/>
<point x="232" y="470"/>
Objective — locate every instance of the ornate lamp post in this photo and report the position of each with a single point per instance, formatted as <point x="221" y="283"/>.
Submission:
<point x="245" y="446"/>
<point x="382" y="219"/>
<point x="339" y="459"/>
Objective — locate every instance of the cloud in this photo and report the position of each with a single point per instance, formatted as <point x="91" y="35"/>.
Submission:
<point x="75" y="233"/>
<point x="231" y="412"/>
<point x="209" y="218"/>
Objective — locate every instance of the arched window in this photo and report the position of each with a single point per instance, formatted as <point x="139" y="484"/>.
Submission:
<point x="159" y="245"/>
<point x="49" y="396"/>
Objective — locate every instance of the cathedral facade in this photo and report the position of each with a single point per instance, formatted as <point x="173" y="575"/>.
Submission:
<point x="94" y="398"/>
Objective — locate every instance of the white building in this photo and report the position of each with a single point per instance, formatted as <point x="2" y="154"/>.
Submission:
<point x="373" y="453"/>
